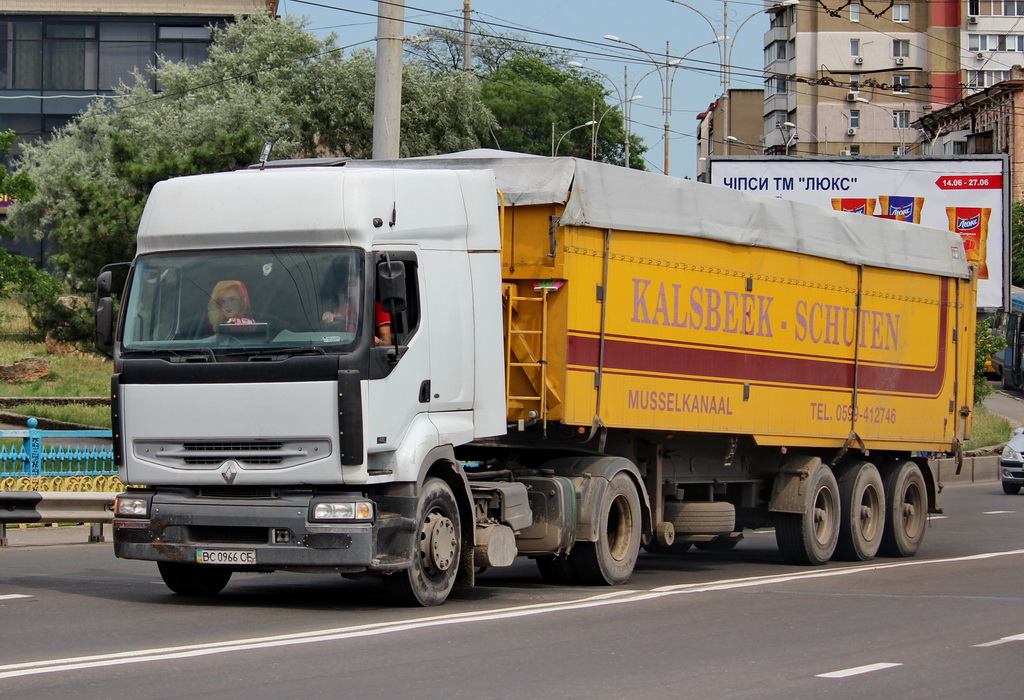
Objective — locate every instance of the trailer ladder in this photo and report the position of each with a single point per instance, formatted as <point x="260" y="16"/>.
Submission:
<point x="521" y="353"/>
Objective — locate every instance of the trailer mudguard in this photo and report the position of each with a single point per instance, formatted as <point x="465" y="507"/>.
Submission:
<point x="590" y="476"/>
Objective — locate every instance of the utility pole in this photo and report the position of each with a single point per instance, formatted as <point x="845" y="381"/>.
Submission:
<point x="467" y="38"/>
<point x="387" y="103"/>
<point x="625" y="111"/>
<point x="666" y="103"/>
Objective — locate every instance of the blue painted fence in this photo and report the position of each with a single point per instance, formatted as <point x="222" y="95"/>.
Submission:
<point x="34" y="459"/>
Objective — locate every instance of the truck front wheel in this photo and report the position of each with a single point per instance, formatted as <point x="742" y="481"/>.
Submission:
<point x="610" y="560"/>
<point x="437" y="551"/>
<point x="194" y="580"/>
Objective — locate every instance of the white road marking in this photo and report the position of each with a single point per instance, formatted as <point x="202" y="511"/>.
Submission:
<point x="856" y="671"/>
<point x="1003" y="640"/>
<point x="938" y="517"/>
<point x="998" y="512"/>
<point x="159" y="654"/>
<point x="12" y="596"/>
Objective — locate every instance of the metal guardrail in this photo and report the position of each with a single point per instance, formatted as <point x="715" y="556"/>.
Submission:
<point x="38" y="465"/>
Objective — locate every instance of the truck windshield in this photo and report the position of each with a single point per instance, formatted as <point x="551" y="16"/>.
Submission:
<point x="256" y="299"/>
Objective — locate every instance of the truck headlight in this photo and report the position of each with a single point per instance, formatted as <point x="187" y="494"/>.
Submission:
<point x="131" y="507"/>
<point x="343" y="510"/>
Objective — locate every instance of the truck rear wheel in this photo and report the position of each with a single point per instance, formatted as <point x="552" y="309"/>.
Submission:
<point x="906" y="511"/>
<point x="810" y="537"/>
<point x="862" y="504"/>
<point x="610" y="560"/>
<point x="436" y="554"/>
<point x="195" y="580"/>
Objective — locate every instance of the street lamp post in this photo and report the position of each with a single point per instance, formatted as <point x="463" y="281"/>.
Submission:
<point x="597" y="128"/>
<point x="728" y="43"/>
<point x="667" y="79"/>
<point x="554" y="146"/>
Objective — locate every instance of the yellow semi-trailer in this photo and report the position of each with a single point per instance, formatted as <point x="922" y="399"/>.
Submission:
<point x="590" y="361"/>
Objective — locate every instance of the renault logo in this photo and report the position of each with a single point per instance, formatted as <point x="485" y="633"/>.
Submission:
<point x="229" y="471"/>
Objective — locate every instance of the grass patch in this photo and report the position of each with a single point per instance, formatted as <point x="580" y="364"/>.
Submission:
<point x="987" y="429"/>
<point x="96" y="416"/>
<point x="72" y="372"/>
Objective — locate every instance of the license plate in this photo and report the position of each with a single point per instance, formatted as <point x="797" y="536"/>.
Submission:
<point x="225" y="556"/>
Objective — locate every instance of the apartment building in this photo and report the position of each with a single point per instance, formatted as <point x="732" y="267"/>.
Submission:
<point x="57" y="55"/>
<point x="851" y="78"/>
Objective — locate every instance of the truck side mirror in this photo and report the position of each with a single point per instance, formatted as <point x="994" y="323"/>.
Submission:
<point x="103" y="282"/>
<point x="391" y="285"/>
<point x="104" y="324"/>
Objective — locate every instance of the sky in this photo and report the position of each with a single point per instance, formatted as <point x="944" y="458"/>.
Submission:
<point x="578" y="27"/>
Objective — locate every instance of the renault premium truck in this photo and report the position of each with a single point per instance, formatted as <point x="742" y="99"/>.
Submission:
<point x="418" y="368"/>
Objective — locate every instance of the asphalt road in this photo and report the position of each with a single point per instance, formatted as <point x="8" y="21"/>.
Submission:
<point x="948" y="623"/>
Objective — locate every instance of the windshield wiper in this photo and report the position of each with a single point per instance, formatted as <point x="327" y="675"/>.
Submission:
<point x="300" y="350"/>
<point x="178" y="355"/>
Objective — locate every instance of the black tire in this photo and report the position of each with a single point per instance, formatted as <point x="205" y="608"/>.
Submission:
<point x="1011" y="489"/>
<point x="701" y="517"/>
<point x="610" y="560"/>
<point x="810" y="537"/>
<point x="437" y="551"/>
<point x="194" y="580"/>
<point x="720" y="544"/>
<point x="862" y="503"/>
<point x="906" y="511"/>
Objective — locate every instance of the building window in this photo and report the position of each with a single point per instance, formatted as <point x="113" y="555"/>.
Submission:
<point x="854" y="118"/>
<point x="854" y="82"/>
<point x="901" y="13"/>
<point x="1015" y="42"/>
<point x="959" y="148"/>
<point x="900" y="83"/>
<point x="855" y="47"/>
<point x="901" y="150"/>
<point x="781" y="86"/>
<point x="69" y="57"/>
<point x="1013" y="8"/>
<point x="979" y="79"/>
<point x="901" y="119"/>
<point x="854" y="150"/>
<point x="124" y="46"/>
<point x="901" y="47"/>
<point x="855" y="12"/>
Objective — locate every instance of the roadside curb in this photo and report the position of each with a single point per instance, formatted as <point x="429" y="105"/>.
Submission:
<point x="975" y="469"/>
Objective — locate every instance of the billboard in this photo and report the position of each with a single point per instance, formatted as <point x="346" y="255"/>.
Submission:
<point x="967" y="194"/>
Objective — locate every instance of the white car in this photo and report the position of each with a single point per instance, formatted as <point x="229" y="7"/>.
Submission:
<point x="1011" y="464"/>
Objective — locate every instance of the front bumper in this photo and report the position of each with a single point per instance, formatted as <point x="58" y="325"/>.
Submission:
<point x="1011" y="472"/>
<point x="276" y="529"/>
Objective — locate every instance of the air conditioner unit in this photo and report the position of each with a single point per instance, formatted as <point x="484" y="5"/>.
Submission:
<point x="844" y="152"/>
<point x="900" y="61"/>
<point x="858" y="60"/>
<point x="852" y="131"/>
<point x="971" y="19"/>
<point x="980" y="54"/>
<point x="851" y="97"/>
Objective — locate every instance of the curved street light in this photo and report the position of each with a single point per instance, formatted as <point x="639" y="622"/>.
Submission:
<point x="597" y="129"/>
<point x="554" y="146"/>
<point x="667" y="79"/>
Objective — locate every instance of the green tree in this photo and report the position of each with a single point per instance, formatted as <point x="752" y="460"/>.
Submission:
<point x="986" y="344"/>
<point x="1017" y="243"/>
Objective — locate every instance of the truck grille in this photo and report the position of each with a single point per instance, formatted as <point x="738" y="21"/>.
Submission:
<point x="233" y="535"/>
<point x="252" y="454"/>
<point x="247" y="452"/>
<point x="236" y="492"/>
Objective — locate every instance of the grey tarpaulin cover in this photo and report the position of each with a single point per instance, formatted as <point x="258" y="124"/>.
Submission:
<point x="609" y="196"/>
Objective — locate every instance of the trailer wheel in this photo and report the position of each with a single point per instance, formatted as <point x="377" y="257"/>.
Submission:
<point x="194" y="580"/>
<point x="810" y="537"/>
<point x="862" y="505"/>
<point x="906" y="512"/>
<point x="610" y="560"/>
<point x="438" y="550"/>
